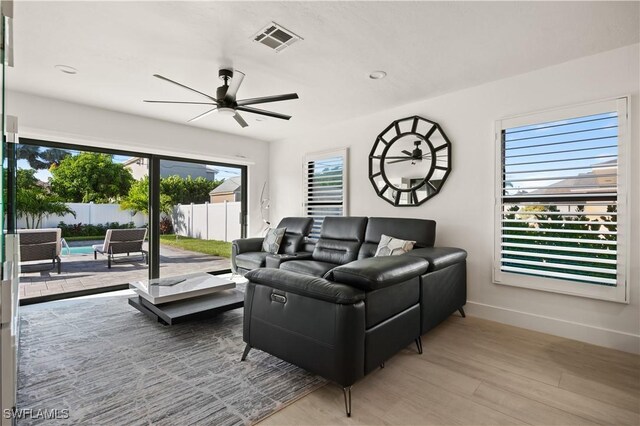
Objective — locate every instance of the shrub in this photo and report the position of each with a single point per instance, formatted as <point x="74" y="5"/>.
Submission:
<point x="166" y="226"/>
<point x="88" y="230"/>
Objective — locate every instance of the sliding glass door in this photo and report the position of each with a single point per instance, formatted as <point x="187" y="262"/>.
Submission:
<point x="90" y="207"/>
<point x="112" y="217"/>
<point x="201" y="212"/>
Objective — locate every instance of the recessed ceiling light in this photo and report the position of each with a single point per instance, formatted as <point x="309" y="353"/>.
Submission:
<point x="66" y="69"/>
<point x="260" y="119"/>
<point x="377" y="75"/>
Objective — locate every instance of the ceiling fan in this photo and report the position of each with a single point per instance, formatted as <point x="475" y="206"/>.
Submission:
<point x="415" y="155"/>
<point x="225" y="102"/>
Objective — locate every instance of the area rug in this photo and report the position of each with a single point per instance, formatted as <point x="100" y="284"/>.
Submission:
<point x="107" y="363"/>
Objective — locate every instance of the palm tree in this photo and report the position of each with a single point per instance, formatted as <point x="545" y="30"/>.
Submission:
<point x="34" y="202"/>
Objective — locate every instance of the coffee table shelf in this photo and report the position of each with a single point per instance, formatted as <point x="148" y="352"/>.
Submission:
<point x="198" y="295"/>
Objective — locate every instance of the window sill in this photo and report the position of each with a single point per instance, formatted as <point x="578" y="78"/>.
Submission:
<point x="617" y="294"/>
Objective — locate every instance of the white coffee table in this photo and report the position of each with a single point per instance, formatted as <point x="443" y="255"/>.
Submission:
<point x="174" y="299"/>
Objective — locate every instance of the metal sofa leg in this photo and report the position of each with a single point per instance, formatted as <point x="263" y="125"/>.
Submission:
<point x="346" y="391"/>
<point x="461" y="310"/>
<point x="246" y="352"/>
<point x="95" y="255"/>
<point x="419" y="344"/>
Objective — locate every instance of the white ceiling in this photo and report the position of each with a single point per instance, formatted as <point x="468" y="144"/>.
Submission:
<point x="427" y="48"/>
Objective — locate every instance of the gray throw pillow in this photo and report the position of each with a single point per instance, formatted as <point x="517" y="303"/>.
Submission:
<point x="272" y="240"/>
<point x="390" y="246"/>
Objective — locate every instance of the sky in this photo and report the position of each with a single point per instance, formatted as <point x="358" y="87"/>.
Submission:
<point x="593" y="141"/>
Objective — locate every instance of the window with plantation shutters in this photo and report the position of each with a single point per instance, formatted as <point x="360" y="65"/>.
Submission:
<point x="561" y="205"/>
<point x="325" y="189"/>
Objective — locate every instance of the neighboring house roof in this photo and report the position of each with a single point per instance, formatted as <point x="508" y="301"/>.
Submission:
<point x="130" y="161"/>
<point x="592" y="179"/>
<point x="229" y="186"/>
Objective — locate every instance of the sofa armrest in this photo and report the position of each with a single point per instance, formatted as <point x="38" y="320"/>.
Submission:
<point x="378" y="272"/>
<point x="275" y="260"/>
<point x="305" y="285"/>
<point x="439" y="257"/>
<point x="245" y="245"/>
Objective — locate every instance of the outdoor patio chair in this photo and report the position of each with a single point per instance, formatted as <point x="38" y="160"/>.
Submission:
<point x="121" y="241"/>
<point x="41" y="244"/>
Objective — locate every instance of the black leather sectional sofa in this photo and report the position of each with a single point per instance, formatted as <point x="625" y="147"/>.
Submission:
<point x="339" y="312"/>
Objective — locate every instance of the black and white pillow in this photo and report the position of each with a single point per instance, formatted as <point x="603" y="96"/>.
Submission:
<point x="390" y="246"/>
<point x="272" y="240"/>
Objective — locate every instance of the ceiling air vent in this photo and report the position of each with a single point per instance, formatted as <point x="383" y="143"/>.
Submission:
<point x="276" y="37"/>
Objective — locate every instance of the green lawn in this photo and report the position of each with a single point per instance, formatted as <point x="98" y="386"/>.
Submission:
<point x="212" y="247"/>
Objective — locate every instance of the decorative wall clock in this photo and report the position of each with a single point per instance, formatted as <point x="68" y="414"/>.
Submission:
<point x="409" y="161"/>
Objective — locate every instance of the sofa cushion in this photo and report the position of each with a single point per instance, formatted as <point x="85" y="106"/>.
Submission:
<point x="251" y="260"/>
<point x="297" y="225"/>
<point x="439" y="257"/>
<point x="272" y="240"/>
<point x="379" y="272"/>
<point x="308" y="267"/>
<point x="291" y="243"/>
<point x="304" y="285"/>
<point x="422" y="231"/>
<point x="340" y="239"/>
<point x="390" y="246"/>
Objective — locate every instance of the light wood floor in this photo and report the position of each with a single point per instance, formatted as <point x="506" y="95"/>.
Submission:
<point x="475" y="372"/>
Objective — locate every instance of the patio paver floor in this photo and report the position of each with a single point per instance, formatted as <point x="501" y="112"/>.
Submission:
<point x="82" y="272"/>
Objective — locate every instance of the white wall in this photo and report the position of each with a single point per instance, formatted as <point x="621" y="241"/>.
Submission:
<point x="55" y="120"/>
<point x="464" y="208"/>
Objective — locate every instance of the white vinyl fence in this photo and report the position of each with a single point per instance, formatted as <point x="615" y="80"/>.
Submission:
<point x="208" y="221"/>
<point x="91" y="214"/>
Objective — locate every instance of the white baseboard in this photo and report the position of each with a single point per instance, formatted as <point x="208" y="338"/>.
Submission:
<point x="571" y="330"/>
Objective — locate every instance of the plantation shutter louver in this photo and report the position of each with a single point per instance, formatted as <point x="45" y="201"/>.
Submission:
<point x="325" y="189"/>
<point x="559" y="204"/>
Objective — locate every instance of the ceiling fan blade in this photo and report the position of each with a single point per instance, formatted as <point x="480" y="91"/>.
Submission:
<point x="180" y="102"/>
<point x="236" y="81"/>
<point x="186" y="87"/>
<point x="265" y="99"/>
<point x="400" y="161"/>
<point x="240" y="120"/>
<point x="404" y="151"/>
<point x="263" y="112"/>
<point x="204" y="114"/>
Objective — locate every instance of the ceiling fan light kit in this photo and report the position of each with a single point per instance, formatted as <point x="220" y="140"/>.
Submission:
<point x="225" y="102"/>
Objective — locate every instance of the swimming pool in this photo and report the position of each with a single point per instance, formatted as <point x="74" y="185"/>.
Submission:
<point x="77" y="250"/>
